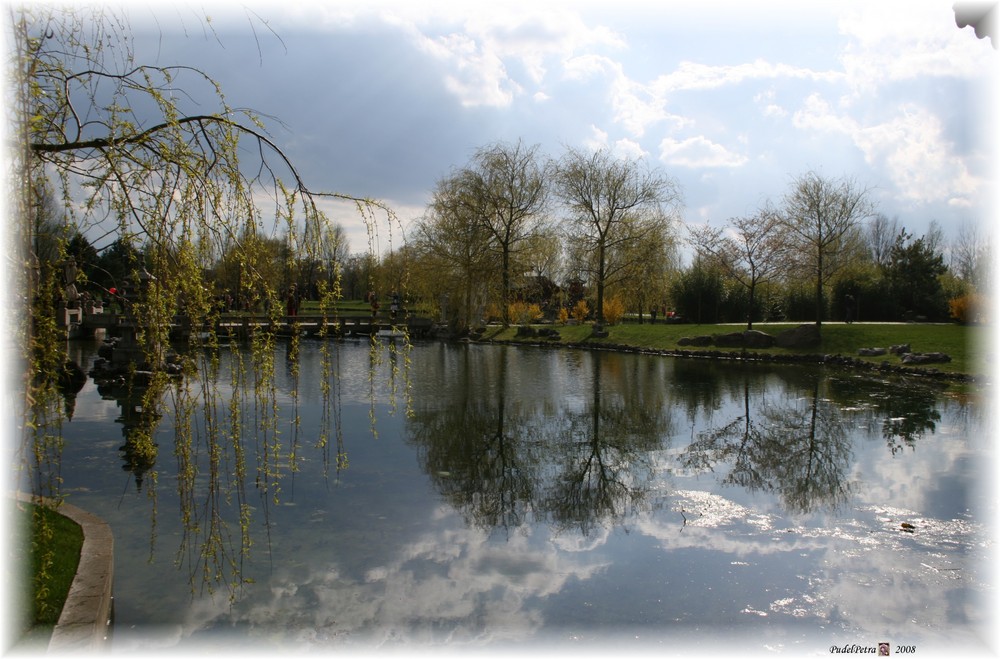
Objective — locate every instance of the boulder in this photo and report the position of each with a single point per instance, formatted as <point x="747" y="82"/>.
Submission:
<point x="756" y="339"/>
<point x="900" y="349"/>
<point x="872" y="352"/>
<point x="733" y="340"/>
<point x="926" y="358"/>
<point x="803" y="336"/>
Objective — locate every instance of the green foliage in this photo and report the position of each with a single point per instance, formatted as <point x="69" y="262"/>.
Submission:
<point x="697" y="293"/>
<point x="913" y="277"/>
<point x="53" y="543"/>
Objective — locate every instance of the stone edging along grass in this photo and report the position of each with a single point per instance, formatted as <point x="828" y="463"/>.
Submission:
<point x="84" y="625"/>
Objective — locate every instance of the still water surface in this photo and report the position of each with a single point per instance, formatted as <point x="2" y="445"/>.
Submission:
<point x="532" y="497"/>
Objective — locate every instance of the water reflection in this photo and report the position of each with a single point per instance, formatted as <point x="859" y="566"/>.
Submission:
<point x="796" y="446"/>
<point x="904" y="411"/>
<point x="534" y="494"/>
<point x="505" y="457"/>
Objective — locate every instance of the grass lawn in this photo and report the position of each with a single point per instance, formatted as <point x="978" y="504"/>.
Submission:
<point x="967" y="345"/>
<point x="45" y="582"/>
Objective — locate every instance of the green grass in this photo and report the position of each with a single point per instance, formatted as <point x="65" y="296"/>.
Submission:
<point x="50" y="548"/>
<point x="967" y="345"/>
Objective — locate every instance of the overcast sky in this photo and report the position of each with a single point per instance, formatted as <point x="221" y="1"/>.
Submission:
<point x="732" y="100"/>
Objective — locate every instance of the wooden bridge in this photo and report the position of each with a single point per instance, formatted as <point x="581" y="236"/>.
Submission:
<point x="241" y="326"/>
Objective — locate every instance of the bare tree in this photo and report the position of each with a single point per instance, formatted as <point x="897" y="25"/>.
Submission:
<point x="750" y="249"/>
<point x="971" y="256"/>
<point x="612" y="204"/>
<point x="880" y="235"/>
<point x="822" y="217"/>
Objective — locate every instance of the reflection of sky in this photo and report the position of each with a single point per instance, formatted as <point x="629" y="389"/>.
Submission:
<point x="373" y="557"/>
<point x="450" y="584"/>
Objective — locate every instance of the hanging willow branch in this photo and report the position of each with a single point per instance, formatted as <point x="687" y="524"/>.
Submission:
<point x="112" y="148"/>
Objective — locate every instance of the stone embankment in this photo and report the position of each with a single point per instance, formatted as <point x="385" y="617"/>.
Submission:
<point x="85" y="622"/>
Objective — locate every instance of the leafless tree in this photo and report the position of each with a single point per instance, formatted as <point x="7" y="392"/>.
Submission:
<point x="750" y="249"/>
<point x="822" y="218"/>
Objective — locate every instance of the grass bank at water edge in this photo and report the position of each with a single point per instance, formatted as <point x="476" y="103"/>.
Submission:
<point x="968" y="346"/>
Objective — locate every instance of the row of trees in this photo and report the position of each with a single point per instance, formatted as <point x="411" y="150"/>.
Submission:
<point x="512" y="223"/>
<point x="488" y="235"/>
<point x="513" y="226"/>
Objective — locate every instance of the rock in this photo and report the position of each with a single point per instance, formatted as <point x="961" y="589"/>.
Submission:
<point x="803" y="336"/>
<point x="756" y="339"/>
<point x="733" y="340"/>
<point x="926" y="358"/>
<point x="872" y="352"/>
<point x="901" y="349"/>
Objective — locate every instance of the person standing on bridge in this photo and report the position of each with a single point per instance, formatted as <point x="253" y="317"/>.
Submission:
<point x="394" y="307"/>
<point x="292" y="302"/>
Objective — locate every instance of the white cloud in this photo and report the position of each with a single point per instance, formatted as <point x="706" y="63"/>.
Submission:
<point x="638" y="106"/>
<point x="769" y="108"/>
<point x="477" y="76"/>
<point x="480" y="52"/>
<point x="891" y="42"/>
<point x="698" y="152"/>
<point x="629" y="149"/>
<point x="910" y="147"/>
<point x="696" y="76"/>
<point x="598" y="139"/>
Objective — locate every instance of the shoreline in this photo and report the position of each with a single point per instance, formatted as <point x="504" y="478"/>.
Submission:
<point x="755" y="356"/>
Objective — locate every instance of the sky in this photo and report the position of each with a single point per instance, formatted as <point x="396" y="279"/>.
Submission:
<point x="731" y="100"/>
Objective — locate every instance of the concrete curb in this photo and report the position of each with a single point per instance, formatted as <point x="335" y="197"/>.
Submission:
<point x="85" y="622"/>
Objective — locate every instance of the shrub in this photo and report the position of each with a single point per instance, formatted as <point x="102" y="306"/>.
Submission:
<point x="967" y="308"/>
<point x="581" y="311"/>
<point x="523" y="313"/>
<point x="614" y="309"/>
<point x="563" y="315"/>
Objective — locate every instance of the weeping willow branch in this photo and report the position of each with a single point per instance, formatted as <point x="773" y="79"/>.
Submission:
<point x="118" y="146"/>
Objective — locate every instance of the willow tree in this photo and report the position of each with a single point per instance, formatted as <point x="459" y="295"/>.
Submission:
<point x="454" y="250"/>
<point x="156" y="158"/>
<point x="614" y="206"/>
<point x="510" y="187"/>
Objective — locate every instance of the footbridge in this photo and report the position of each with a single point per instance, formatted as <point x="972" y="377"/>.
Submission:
<point x="243" y="325"/>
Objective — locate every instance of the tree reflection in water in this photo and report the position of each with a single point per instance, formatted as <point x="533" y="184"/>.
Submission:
<point x="503" y="458"/>
<point x="512" y="438"/>
<point x="795" y="446"/>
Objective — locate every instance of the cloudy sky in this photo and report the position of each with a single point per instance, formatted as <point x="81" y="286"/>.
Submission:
<point x="383" y="99"/>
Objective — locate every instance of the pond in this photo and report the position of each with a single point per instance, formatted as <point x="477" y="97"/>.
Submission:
<point x="493" y="497"/>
